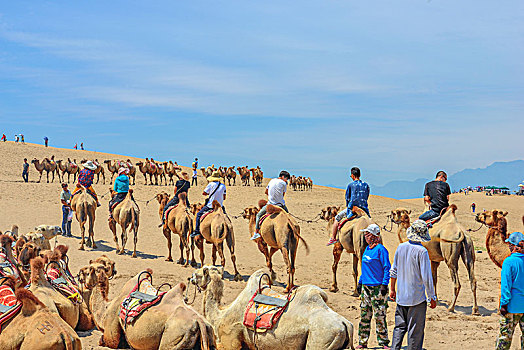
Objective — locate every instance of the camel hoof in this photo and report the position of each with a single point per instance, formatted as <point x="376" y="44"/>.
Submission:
<point x="134" y="255"/>
<point x="451" y="309"/>
<point x="238" y="277"/>
<point x="273" y="276"/>
<point x="180" y="261"/>
<point x="333" y="289"/>
<point x="94" y="246"/>
<point x="169" y="259"/>
<point x="88" y="244"/>
<point x="193" y="263"/>
<point x="81" y="248"/>
<point x="476" y="312"/>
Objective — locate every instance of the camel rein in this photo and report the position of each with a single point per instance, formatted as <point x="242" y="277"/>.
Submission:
<point x="391" y="221"/>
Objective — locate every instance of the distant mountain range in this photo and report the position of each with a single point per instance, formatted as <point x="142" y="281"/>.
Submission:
<point x="508" y="174"/>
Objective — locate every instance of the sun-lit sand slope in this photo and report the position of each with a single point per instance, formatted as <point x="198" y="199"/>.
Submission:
<point x="33" y="203"/>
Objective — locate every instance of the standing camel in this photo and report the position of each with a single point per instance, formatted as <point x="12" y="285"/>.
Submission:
<point x="142" y="166"/>
<point x="498" y="249"/>
<point x="72" y="169"/>
<point x="112" y="168"/>
<point x="216" y="227"/>
<point x="45" y="165"/>
<point x="61" y="167"/>
<point x="127" y="215"/>
<point x="231" y="175"/>
<point x="84" y="206"/>
<point x="448" y="243"/>
<point x="170" y="170"/>
<point x="280" y="232"/>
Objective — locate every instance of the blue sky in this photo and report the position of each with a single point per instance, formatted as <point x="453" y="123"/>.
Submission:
<point x="400" y="89"/>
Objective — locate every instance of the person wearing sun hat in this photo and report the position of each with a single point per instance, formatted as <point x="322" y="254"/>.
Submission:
<point x="85" y="179"/>
<point x="181" y="186"/>
<point x="411" y="273"/>
<point x="216" y="190"/>
<point x="373" y="288"/>
<point x="512" y="292"/>
<point x="121" y="189"/>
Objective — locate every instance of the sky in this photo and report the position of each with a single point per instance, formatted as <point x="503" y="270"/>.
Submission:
<point x="399" y="88"/>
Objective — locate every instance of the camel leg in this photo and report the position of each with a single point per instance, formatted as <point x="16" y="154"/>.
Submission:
<point x="220" y="249"/>
<point x="231" y="246"/>
<point x="181" y="246"/>
<point x="262" y="246"/>
<point x="124" y="238"/>
<point x="167" y="234"/>
<point x="193" y="261"/>
<point x="112" y="227"/>
<point x="434" y="269"/>
<point x="82" y="232"/>
<point x="470" y="266"/>
<point x="40" y="178"/>
<point x="185" y="244"/>
<point x="453" y="270"/>
<point x="355" y="273"/>
<point x="200" y="245"/>
<point x="135" y="241"/>
<point x="92" y="229"/>
<point x="285" y="254"/>
<point x="337" y="253"/>
<point x="214" y="254"/>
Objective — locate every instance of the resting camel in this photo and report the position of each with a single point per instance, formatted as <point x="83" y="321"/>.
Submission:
<point x="170" y="324"/>
<point x="498" y="249"/>
<point x="215" y="228"/>
<point x="307" y="323"/>
<point x="87" y="276"/>
<point x="84" y="206"/>
<point x="6" y="243"/>
<point x="126" y="214"/>
<point x="280" y="232"/>
<point x="448" y="243"/>
<point x="47" y="166"/>
<point x="35" y="327"/>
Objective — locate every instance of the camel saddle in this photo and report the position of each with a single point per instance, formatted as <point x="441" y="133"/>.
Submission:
<point x="265" y="308"/>
<point x="171" y="208"/>
<point x="9" y="305"/>
<point x="141" y="298"/>
<point x="262" y="219"/>
<point x="7" y="267"/>
<point x="357" y="214"/>
<point x="62" y="283"/>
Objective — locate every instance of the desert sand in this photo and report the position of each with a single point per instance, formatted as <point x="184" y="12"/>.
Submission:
<point x="31" y="204"/>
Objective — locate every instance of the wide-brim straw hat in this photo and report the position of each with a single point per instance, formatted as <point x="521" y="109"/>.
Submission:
<point x="418" y="232"/>
<point x="123" y="170"/>
<point x="89" y="165"/>
<point x="185" y="176"/>
<point x="215" y="176"/>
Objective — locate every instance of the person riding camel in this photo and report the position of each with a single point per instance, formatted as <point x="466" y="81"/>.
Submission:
<point x="85" y="180"/>
<point x="357" y="194"/>
<point x="216" y="191"/>
<point x="121" y="187"/>
<point x="275" y="191"/>
<point x="181" y="186"/>
<point x="436" y="194"/>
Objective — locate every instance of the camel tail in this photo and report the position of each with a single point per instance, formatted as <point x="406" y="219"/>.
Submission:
<point x="296" y="232"/>
<point x="68" y="343"/>
<point x="468" y="252"/>
<point x="204" y="339"/>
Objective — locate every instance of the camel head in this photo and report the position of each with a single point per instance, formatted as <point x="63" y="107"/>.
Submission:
<point x="108" y="264"/>
<point x="162" y="198"/>
<point x="399" y="215"/>
<point x="203" y="276"/>
<point x="262" y="203"/>
<point x="494" y="218"/>
<point x="88" y="275"/>
<point x="329" y="212"/>
<point x="195" y="208"/>
<point x="250" y="212"/>
<point x="6" y="242"/>
<point x="28" y="252"/>
<point x="49" y="231"/>
<point x="34" y="161"/>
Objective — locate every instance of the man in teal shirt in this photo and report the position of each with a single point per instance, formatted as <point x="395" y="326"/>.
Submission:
<point x="121" y="187"/>
<point x="512" y="292"/>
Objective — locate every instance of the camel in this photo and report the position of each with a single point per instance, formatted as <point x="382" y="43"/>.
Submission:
<point x="143" y="168"/>
<point x="35" y="327"/>
<point x="47" y="166"/>
<point x="157" y="171"/>
<point x="328" y="213"/>
<point x="170" y="324"/>
<point x="180" y="222"/>
<point x="255" y="174"/>
<point x="170" y="170"/>
<point x="6" y="257"/>
<point x="448" y="243"/>
<point x="87" y="276"/>
<point x="112" y="168"/>
<point x="127" y="215"/>
<point x="132" y="170"/>
<point x="72" y="169"/>
<point x="162" y="199"/>
<point x="231" y="175"/>
<point x="498" y="249"/>
<point x="99" y="170"/>
<point x="215" y="228"/>
<point x="84" y="206"/>
<point x="307" y="323"/>
<point x="279" y="231"/>
<point x="42" y="235"/>
<point x="61" y="167"/>
<point x="244" y="175"/>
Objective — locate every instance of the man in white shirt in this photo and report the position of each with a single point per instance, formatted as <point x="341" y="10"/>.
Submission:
<point x="275" y="190"/>
<point x="216" y="191"/>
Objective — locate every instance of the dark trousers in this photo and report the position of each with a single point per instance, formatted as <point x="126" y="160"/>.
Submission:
<point x="66" y="224"/>
<point x="194" y="181"/>
<point x="199" y="216"/>
<point x="25" y="176"/>
<point x="410" y="319"/>
<point x="172" y="203"/>
<point x="430" y="214"/>
<point x="119" y="197"/>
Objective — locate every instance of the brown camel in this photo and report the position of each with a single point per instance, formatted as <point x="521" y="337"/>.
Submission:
<point x="99" y="170"/>
<point x="170" y="324"/>
<point x="279" y="231"/>
<point x="72" y="169"/>
<point x="127" y="215"/>
<point x="215" y="228"/>
<point x="162" y="199"/>
<point x="6" y="257"/>
<point x="307" y="323"/>
<point x="244" y="175"/>
<point x="143" y="168"/>
<point x="35" y="327"/>
<point x="498" y="249"/>
<point x="84" y="206"/>
<point x="328" y="213"/>
<point x="87" y="276"/>
<point x="180" y="222"/>
<point x="61" y="169"/>
<point x="112" y="168"/>
<point x="170" y="169"/>
<point x="231" y="174"/>
<point x="45" y="165"/>
<point x="448" y="243"/>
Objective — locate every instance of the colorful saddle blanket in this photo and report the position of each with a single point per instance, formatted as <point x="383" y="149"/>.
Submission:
<point x="9" y="305"/>
<point x="139" y="300"/>
<point x="265" y="308"/>
<point x="7" y="267"/>
<point x="62" y="283"/>
<point x="166" y="214"/>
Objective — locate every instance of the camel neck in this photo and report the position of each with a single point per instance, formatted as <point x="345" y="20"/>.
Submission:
<point x="212" y="298"/>
<point x="98" y="302"/>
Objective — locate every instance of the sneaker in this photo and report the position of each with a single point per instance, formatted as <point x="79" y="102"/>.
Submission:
<point x="362" y="347"/>
<point x="255" y="236"/>
<point x="194" y="234"/>
<point x="386" y="347"/>
<point x="332" y="241"/>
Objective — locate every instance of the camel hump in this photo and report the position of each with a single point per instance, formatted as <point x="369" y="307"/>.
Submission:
<point x="182" y="197"/>
<point x="29" y="301"/>
<point x="452" y="209"/>
<point x="273" y="209"/>
<point x="262" y="203"/>
<point x="216" y="205"/>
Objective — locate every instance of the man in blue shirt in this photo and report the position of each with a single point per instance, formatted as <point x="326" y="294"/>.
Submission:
<point x="120" y="188"/>
<point x="512" y="292"/>
<point x="357" y="195"/>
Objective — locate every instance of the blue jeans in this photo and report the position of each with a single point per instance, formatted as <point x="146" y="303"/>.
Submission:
<point x="66" y="225"/>
<point x="430" y="214"/>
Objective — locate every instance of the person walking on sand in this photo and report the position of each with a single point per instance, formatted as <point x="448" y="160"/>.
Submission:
<point x="16" y="138"/>
<point x="25" y="171"/>
<point x="512" y="293"/>
<point x="373" y="288"/>
<point x="216" y="191"/>
<point x="411" y="273"/>
<point x="46" y="141"/>
<point x="22" y="140"/>
<point x="65" y="199"/>
<point x="4" y="138"/>
<point x="357" y="195"/>
<point x="76" y="146"/>
<point x="275" y="191"/>
<point x="473" y="206"/>
<point x="194" y="178"/>
<point x="82" y="146"/>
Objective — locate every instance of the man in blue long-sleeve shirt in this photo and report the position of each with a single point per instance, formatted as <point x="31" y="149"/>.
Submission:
<point x="357" y="195"/>
<point x="512" y="292"/>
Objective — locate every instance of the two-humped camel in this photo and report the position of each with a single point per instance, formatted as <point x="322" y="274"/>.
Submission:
<point x="244" y="175"/>
<point x="279" y="231"/>
<point x="215" y="228"/>
<point x="84" y="206"/>
<point x="127" y="215"/>
<point x="170" y="169"/>
<point x="46" y="165"/>
<point x="307" y="323"/>
<point x="231" y="175"/>
<point x="170" y="324"/>
<point x="496" y="245"/>
<point x="449" y="243"/>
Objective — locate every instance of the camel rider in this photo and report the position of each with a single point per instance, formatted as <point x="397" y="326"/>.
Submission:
<point x="121" y="187"/>
<point x="216" y="191"/>
<point x="436" y="194"/>
<point x="85" y="179"/>
<point x="181" y="186"/>
<point x="275" y="191"/>
<point x="357" y="195"/>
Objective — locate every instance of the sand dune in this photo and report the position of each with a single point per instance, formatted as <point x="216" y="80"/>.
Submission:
<point x="33" y="203"/>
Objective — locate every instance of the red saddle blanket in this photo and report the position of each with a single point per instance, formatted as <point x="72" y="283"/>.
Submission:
<point x="169" y="210"/>
<point x="142" y="297"/>
<point x="265" y="309"/>
<point x="9" y="305"/>
<point x="262" y="219"/>
<point x="62" y="283"/>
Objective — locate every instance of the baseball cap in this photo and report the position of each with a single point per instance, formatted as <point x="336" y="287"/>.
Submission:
<point x="515" y="238"/>
<point x="373" y="229"/>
